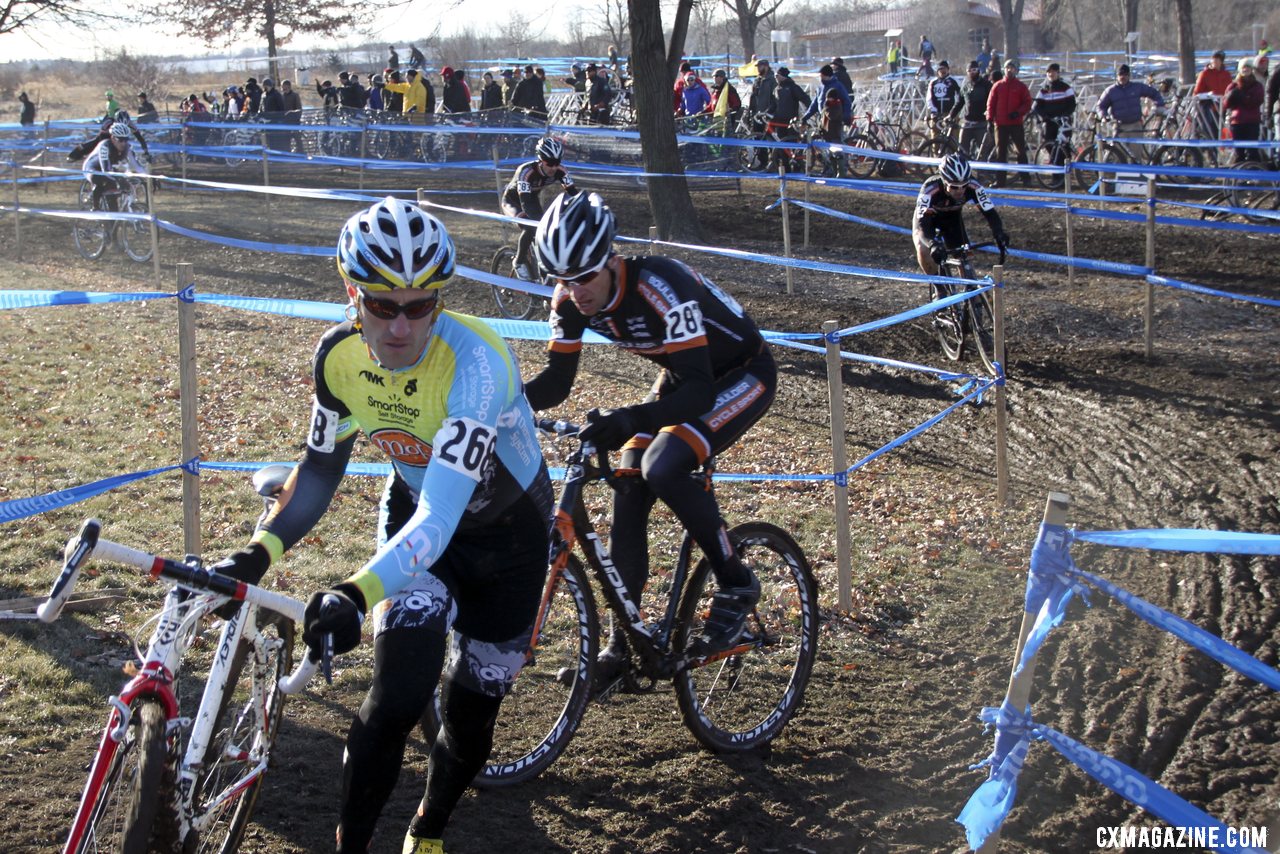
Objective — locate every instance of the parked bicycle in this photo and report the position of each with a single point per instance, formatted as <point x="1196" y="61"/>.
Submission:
<point x="734" y="700"/>
<point x="133" y="235"/>
<point x="880" y="136"/>
<point x="162" y="781"/>
<point x="971" y="319"/>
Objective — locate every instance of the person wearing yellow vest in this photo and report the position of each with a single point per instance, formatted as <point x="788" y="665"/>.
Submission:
<point x="893" y="57"/>
<point x="415" y="94"/>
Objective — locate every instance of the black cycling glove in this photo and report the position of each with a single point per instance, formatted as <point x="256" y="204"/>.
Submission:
<point x="247" y="565"/>
<point x="608" y="429"/>
<point x="338" y="612"/>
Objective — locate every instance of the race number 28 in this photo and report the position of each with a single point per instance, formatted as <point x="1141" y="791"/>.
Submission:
<point x="684" y="322"/>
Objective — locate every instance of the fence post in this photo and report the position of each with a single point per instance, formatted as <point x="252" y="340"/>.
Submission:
<point x="1071" y="254"/>
<point x="653" y="238"/>
<point x="1002" y="412"/>
<point x="840" y="462"/>
<point x="786" y="219"/>
<point x="1019" y="693"/>
<point x="266" y="169"/>
<point x="44" y="156"/>
<point x="1149" y="302"/>
<point x="497" y="172"/>
<point x="1097" y="158"/>
<point x="187" y="388"/>
<point x="155" y="234"/>
<point x="808" y="170"/>
<point x="17" y="217"/>
<point x="364" y="148"/>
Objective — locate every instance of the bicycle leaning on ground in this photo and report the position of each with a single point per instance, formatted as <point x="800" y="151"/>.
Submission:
<point x="160" y="781"/>
<point x="93" y="236"/>
<point x="734" y="700"/>
<point x="971" y="318"/>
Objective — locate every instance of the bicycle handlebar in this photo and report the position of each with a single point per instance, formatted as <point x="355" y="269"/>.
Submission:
<point x="88" y="545"/>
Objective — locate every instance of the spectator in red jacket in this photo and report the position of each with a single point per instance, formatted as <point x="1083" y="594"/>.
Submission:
<point x="1243" y="102"/>
<point x="1211" y="85"/>
<point x="1007" y="108"/>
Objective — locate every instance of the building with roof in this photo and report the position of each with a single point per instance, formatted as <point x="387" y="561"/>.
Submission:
<point x="956" y="28"/>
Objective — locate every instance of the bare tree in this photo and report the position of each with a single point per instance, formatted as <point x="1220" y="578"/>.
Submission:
<point x="669" y="201"/>
<point x="1011" y="17"/>
<point x="1186" y="42"/>
<point x="26" y="14"/>
<point x="129" y="73"/>
<point x="749" y="14"/>
<point x="276" y="21"/>
<point x="616" y="21"/>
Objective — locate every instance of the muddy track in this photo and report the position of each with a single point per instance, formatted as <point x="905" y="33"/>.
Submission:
<point x="877" y="761"/>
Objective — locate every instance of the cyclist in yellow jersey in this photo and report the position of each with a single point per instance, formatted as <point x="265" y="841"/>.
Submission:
<point x="462" y="535"/>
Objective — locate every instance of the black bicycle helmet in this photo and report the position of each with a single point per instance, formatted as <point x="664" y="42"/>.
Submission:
<point x="575" y="235"/>
<point x="550" y="150"/>
<point x="955" y="169"/>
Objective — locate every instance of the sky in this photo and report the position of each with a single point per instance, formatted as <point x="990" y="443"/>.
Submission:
<point x="415" y="20"/>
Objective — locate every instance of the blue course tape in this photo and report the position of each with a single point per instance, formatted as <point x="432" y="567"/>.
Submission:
<point x="1188" y="539"/>
<point x="39" y="299"/>
<point x="20" y="508"/>
<point x="976" y="394"/>
<point x="258" y="245"/>
<point x="913" y="313"/>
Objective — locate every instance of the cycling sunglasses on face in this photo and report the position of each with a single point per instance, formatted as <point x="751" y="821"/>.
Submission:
<point x="579" y="279"/>
<point x="955" y="188"/>
<point x="387" y="309"/>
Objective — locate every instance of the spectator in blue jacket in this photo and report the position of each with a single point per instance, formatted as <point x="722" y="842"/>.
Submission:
<point x="695" y="97"/>
<point x="832" y="90"/>
<point x="1122" y="102"/>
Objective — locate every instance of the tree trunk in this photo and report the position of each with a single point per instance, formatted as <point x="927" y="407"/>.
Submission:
<point x="269" y="29"/>
<point x="669" y="201"/>
<point x="679" y="32"/>
<point x="747" y="31"/>
<point x="1011" y="18"/>
<point x="1130" y="17"/>
<point x="1186" y="42"/>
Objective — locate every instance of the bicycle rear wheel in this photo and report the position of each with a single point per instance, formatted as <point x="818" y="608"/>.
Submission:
<point x="130" y="812"/>
<point x="948" y="323"/>
<point x="512" y="303"/>
<point x="541" y="712"/>
<point x="89" y="235"/>
<point x="244" y="730"/>
<point x="858" y="164"/>
<point x="1046" y="153"/>
<point x="741" y="699"/>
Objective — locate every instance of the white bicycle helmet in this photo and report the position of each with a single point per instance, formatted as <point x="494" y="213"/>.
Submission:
<point x="550" y="150"/>
<point x="575" y="235"/>
<point x="955" y="169"/>
<point x="119" y="130"/>
<point x="395" y="244"/>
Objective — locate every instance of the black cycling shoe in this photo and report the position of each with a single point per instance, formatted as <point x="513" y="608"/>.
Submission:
<point x="611" y="667"/>
<point x="730" y="607"/>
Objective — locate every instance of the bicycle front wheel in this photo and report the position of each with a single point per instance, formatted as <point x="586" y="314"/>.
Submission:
<point x="1047" y="153"/>
<point x="982" y="325"/>
<point x="512" y="303"/>
<point x="741" y="699"/>
<point x="541" y="712"/>
<point x="948" y="323"/>
<point x="244" y="730"/>
<point x="127" y="813"/>
<point x="860" y="165"/>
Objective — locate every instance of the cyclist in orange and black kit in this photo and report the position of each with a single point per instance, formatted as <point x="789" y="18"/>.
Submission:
<point x="718" y="378"/>
<point x="522" y="198"/>
<point x="938" y="224"/>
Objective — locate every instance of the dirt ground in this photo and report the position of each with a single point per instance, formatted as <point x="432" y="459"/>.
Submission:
<point x="878" y="759"/>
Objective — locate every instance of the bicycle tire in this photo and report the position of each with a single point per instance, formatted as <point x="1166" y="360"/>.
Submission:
<point x="936" y="147"/>
<point x="221" y="767"/>
<point x="753" y="158"/>
<point x="1044" y="156"/>
<point x="908" y="144"/>
<point x="860" y="165"/>
<point x="129" y="801"/>
<point x="233" y="137"/>
<point x="541" y="713"/>
<point x="981" y="318"/>
<point x="735" y="703"/>
<point x="512" y="303"/>
<point x="1178" y="155"/>
<point x="948" y="323"/>
<point x="134" y="235"/>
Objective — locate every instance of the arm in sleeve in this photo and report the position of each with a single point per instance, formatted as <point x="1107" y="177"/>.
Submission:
<point x="305" y="498"/>
<point x="553" y="383"/>
<point x="693" y="395"/>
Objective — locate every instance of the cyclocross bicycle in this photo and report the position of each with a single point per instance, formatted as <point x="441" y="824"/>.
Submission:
<point x="133" y="235"/>
<point x="161" y="781"/>
<point x="970" y="319"/>
<point x="733" y="700"/>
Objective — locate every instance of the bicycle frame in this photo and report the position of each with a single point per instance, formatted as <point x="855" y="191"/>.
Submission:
<point x="195" y="594"/>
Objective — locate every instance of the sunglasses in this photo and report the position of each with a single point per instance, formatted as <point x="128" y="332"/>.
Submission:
<point x="955" y="188"/>
<point x="387" y="309"/>
<point x="578" y="279"/>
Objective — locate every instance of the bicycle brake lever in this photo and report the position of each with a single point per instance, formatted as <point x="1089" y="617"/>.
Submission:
<point x="326" y="657"/>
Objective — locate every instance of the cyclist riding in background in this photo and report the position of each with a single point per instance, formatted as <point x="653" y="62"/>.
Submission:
<point x="522" y="197"/>
<point x="938" y="224"/>
<point x="121" y="117"/>
<point x="113" y="154"/>
<point x="718" y="378"/>
<point x="462" y="528"/>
